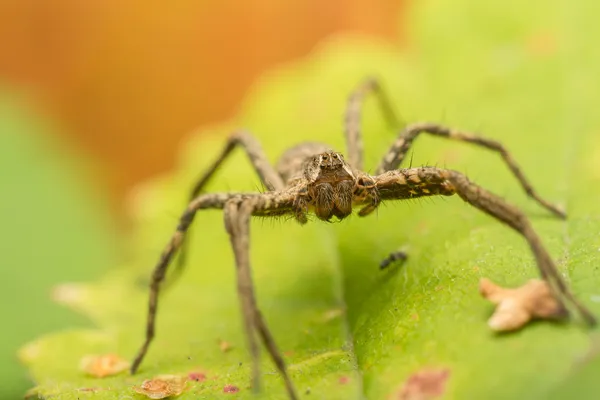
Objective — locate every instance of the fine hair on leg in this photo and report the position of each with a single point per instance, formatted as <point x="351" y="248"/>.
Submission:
<point x="237" y="207"/>
<point x="244" y="285"/>
<point x="212" y="200"/>
<point x="513" y="217"/>
<point x="399" y="149"/>
<point x="403" y="143"/>
<point x="237" y="221"/>
<point x="354" y="144"/>
<point x="259" y="161"/>
<point x="430" y="181"/>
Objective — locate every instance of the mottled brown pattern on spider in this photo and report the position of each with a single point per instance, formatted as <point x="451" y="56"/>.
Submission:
<point x="310" y="178"/>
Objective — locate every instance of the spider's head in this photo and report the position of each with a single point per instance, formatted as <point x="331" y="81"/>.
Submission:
<point x="330" y="185"/>
<point x="329" y="166"/>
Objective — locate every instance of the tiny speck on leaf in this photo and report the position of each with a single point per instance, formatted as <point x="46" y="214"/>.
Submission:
<point x="343" y="380"/>
<point x="100" y="366"/>
<point x="162" y="386"/>
<point x="230" y="389"/>
<point x="225" y="346"/>
<point x="424" y="384"/>
<point x="89" y="389"/>
<point x="197" y="376"/>
<point x="332" y="314"/>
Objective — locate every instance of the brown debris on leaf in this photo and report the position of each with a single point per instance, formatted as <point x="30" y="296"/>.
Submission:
<point x="230" y="389"/>
<point x="103" y="365"/>
<point x="197" y="376"/>
<point x="224" y="345"/>
<point x="425" y="384"/>
<point x="516" y="307"/>
<point x="162" y="386"/>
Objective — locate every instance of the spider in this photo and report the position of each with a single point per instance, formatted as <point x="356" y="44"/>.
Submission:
<point x="312" y="178"/>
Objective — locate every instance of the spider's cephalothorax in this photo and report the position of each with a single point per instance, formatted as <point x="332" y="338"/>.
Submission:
<point x="330" y="188"/>
<point x="311" y="178"/>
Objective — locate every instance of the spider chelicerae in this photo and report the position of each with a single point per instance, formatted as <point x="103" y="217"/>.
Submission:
<point x="312" y="178"/>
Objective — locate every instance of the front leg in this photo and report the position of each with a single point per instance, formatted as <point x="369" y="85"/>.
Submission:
<point x="237" y="222"/>
<point x="427" y="181"/>
<point x="257" y="157"/>
<point x="404" y="142"/>
<point x="353" y="117"/>
<point x="213" y="200"/>
<point x="245" y="287"/>
<point x="366" y="194"/>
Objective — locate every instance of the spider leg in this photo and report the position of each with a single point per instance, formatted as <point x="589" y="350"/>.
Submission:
<point x="244" y="288"/>
<point x="237" y="221"/>
<point x="353" y="117"/>
<point x="428" y="181"/>
<point x="212" y="200"/>
<point x="401" y="146"/>
<point x="268" y="176"/>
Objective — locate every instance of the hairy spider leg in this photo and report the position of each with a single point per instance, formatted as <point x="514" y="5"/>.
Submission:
<point x="398" y="150"/>
<point x="428" y="181"/>
<point x="271" y="203"/>
<point x="353" y="117"/>
<point x="400" y="147"/>
<point x="256" y="155"/>
<point x="237" y="221"/>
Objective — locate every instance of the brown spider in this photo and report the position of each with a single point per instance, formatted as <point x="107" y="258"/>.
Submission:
<point x="312" y="178"/>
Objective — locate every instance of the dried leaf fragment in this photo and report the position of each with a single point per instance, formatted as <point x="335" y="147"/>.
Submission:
<point x="425" y="384"/>
<point x="162" y="386"/>
<point x="516" y="307"/>
<point x="230" y="389"/>
<point x="100" y="366"/>
<point x="197" y="376"/>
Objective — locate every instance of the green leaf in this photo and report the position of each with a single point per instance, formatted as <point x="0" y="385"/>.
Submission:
<point x="523" y="73"/>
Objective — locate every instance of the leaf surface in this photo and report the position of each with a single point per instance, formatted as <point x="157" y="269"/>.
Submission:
<point x="521" y="73"/>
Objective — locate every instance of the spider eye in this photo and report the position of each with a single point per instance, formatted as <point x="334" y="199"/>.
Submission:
<point x="324" y="158"/>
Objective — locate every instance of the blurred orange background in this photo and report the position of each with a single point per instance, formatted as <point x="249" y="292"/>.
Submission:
<point x="127" y="79"/>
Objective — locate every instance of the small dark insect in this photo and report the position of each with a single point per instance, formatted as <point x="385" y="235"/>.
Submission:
<point x="312" y="178"/>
